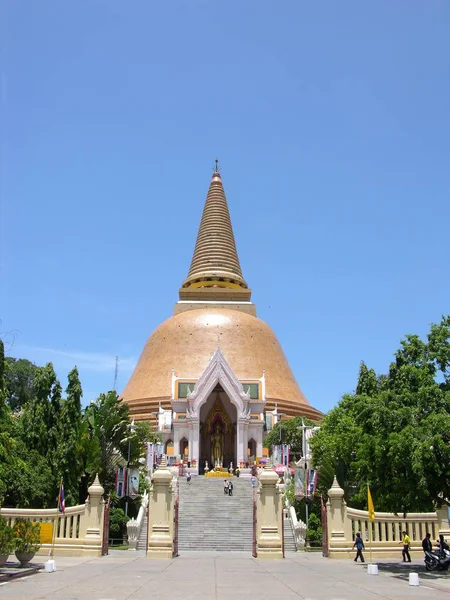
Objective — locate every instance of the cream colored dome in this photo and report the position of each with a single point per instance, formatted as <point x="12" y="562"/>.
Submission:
<point x="186" y="342"/>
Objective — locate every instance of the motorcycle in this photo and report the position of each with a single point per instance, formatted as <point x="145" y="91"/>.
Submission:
<point x="437" y="561"/>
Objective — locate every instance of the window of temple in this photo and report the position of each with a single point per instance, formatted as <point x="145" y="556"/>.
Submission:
<point x="252" y="389"/>
<point x="185" y="388"/>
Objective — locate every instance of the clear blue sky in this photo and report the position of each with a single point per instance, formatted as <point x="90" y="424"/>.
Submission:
<point x="331" y="121"/>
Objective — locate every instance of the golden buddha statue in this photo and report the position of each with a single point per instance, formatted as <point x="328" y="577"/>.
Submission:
<point x="217" y="447"/>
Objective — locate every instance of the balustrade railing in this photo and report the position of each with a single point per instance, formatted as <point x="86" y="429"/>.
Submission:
<point x="76" y="532"/>
<point x="384" y="534"/>
<point x="134" y="526"/>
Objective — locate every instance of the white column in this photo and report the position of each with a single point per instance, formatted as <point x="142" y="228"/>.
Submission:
<point x="245" y="442"/>
<point x="176" y="439"/>
<point x="190" y="440"/>
<point x="259" y="441"/>
<point x="240" y="442"/>
<point x="195" y="441"/>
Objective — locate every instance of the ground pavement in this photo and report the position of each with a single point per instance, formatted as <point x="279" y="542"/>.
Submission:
<point x="225" y="576"/>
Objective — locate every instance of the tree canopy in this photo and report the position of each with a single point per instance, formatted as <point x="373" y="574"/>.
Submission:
<point x="19" y="377"/>
<point x="45" y="437"/>
<point x="291" y="433"/>
<point x="394" y="431"/>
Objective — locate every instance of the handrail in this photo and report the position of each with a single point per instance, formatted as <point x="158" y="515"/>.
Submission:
<point x="41" y="512"/>
<point x="298" y="527"/>
<point x="134" y="525"/>
<point x="385" y="516"/>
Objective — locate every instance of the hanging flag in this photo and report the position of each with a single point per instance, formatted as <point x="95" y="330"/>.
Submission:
<point x="370" y="506"/>
<point x="312" y="482"/>
<point x="61" y="500"/>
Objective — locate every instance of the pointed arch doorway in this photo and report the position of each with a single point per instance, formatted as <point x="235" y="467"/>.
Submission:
<point x="218" y="417"/>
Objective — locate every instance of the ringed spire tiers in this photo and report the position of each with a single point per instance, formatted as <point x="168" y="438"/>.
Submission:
<point x="215" y="270"/>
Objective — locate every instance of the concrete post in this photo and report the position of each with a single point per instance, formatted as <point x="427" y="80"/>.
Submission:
<point x="269" y="515"/>
<point x="91" y="526"/>
<point x="443" y="522"/>
<point x="160" y="526"/>
<point x="339" y="527"/>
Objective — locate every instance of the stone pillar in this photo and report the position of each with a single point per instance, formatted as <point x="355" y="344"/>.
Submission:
<point x="245" y="442"/>
<point x="443" y="522"/>
<point x="176" y="439"/>
<point x="240" y="441"/>
<point x="160" y="525"/>
<point x="339" y="526"/>
<point x="190" y="440"/>
<point x="92" y="522"/>
<point x="195" y="442"/>
<point x="259" y="442"/>
<point x="269" y="516"/>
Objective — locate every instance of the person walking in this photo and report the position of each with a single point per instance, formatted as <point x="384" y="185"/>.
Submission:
<point x="225" y="487"/>
<point x="359" y="547"/>
<point x="188" y="478"/>
<point x="406" y="541"/>
<point x="230" y="488"/>
<point x="427" y="546"/>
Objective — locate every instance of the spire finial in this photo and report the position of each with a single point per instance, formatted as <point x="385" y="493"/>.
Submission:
<point x="215" y="263"/>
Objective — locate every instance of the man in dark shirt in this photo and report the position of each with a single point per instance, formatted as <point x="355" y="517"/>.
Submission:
<point x="426" y="543"/>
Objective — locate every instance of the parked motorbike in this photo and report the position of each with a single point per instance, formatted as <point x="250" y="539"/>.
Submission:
<point x="437" y="561"/>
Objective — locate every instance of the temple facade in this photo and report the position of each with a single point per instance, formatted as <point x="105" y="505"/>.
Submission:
<point x="213" y="376"/>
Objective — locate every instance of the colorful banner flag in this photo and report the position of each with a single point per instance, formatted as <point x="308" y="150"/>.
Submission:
<point x="312" y="482"/>
<point x="370" y="506"/>
<point x="299" y="483"/>
<point x="133" y="483"/>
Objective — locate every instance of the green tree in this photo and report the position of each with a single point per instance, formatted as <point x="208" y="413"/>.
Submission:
<point x="41" y="413"/>
<point x="19" y="379"/>
<point x="394" y="432"/>
<point x="69" y="452"/>
<point x="104" y="438"/>
<point x="291" y="433"/>
<point x="117" y="523"/>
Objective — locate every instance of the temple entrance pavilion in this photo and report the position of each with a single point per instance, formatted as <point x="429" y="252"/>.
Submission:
<point x="217" y="431"/>
<point x="218" y="417"/>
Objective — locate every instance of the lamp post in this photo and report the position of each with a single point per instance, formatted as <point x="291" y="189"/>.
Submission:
<point x="132" y="430"/>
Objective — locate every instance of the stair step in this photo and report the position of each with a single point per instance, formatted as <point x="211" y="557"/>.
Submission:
<point x="210" y="520"/>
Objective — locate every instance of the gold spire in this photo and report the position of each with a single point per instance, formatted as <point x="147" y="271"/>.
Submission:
<point x="215" y="263"/>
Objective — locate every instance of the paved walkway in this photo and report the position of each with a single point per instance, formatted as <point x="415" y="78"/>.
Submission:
<point x="224" y="576"/>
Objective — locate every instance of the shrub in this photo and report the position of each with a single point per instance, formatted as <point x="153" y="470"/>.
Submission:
<point x="6" y="537"/>
<point x="27" y="536"/>
<point x="117" y="523"/>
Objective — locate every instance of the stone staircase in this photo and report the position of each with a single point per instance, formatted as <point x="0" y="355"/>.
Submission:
<point x="209" y="520"/>
<point x="289" y="540"/>
<point x="142" y="540"/>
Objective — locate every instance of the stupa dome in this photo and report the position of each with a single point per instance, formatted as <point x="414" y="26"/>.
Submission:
<point x="186" y="342"/>
<point x="214" y="308"/>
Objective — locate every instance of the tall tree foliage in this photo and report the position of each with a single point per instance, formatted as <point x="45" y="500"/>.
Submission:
<point x="291" y="433"/>
<point x="42" y="412"/>
<point x="68" y="451"/>
<point x="19" y="380"/>
<point x="25" y="475"/>
<point x="394" y="432"/>
<point x="104" y="435"/>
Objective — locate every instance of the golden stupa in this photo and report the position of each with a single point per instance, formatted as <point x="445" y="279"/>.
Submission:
<point x="214" y="310"/>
